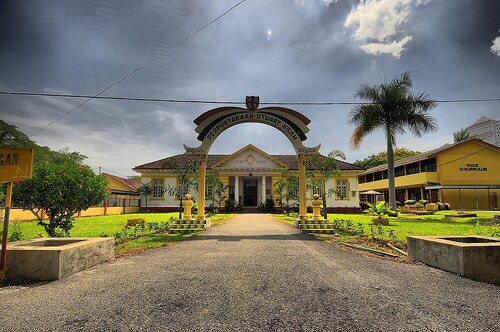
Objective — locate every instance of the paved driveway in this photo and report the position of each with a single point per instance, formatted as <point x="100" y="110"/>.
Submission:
<point x="253" y="274"/>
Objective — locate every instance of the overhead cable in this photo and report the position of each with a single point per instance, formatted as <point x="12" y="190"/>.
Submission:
<point x="227" y="102"/>
<point x="139" y="68"/>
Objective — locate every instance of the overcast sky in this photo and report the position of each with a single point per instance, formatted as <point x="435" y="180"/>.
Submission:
<point x="280" y="50"/>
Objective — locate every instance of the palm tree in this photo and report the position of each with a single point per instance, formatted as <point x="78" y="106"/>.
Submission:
<point x="394" y="109"/>
<point x="146" y="190"/>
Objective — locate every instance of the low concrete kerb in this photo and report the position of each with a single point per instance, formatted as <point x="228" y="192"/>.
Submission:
<point x="54" y="258"/>
<point x="474" y="257"/>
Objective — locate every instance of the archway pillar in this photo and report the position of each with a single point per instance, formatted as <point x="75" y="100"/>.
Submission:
<point x="202" y="176"/>
<point x="302" y="187"/>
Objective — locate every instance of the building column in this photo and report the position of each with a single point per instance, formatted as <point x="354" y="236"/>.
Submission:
<point x="236" y="190"/>
<point x="302" y="188"/>
<point x="263" y="193"/>
<point x="202" y="177"/>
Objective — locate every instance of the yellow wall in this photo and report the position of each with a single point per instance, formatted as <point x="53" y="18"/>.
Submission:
<point x="114" y="210"/>
<point x="113" y="184"/>
<point x="467" y="199"/>
<point x="413" y="180"/>
<point x="131" y="209"/>
<point x="93" y="211"/>
<point x="450" y="163"/>
<point x="19" y="214"/>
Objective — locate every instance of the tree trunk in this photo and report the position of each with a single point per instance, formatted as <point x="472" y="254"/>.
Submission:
<point x="180" y="207"/>
<point x="323" y="194"/>
<point x="390" y="172"/>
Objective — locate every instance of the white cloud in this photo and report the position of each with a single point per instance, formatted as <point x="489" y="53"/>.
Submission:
<point x="378" y="19"/>
<point x="303" y="2"/>
<point x="395" y="48"/>
<point x="379" y="25"/>
<point x="495" y="48"/>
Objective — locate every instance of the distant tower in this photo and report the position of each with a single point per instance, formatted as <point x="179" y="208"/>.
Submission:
<point x="485" y="129"/>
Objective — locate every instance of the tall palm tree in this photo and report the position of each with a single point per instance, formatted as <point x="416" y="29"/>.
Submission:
<point x="394" y="109"/>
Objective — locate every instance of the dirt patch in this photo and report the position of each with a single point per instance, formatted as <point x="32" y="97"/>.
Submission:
<point x="371" y="243"/>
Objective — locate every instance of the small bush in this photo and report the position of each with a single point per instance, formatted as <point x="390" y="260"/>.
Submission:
<point x="269" y="206"/>
<point x="16" y="234"/>
<point x="229" y="205"/>
<point x="410" y="202"/>
<point x="363" y="205"/>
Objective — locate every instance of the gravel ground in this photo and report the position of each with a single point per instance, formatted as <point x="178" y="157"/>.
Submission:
<point x="253" y="274"/>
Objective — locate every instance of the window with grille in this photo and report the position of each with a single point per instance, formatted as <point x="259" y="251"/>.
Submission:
<point x="429" y="165"/>
<point x="182" y="190"/>
<point x="208" y="191"/>
<point x="158" y="188"/>
<point x="317" y="190"/>
<point x="341" y="189"/>
<point x="412" y="169"/>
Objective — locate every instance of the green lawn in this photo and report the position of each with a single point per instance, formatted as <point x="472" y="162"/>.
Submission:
<point x="91" y="226"/>
<point x="110" y="225"/>
<point x="149" y="242"/>
<point x="411" y="225"/>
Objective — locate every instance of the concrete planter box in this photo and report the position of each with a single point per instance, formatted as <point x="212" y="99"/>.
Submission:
<point x="55" y="258"/>
<point x="474" y="257"/>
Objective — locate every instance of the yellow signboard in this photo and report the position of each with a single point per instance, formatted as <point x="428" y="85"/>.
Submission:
<point x="16" y="164"/>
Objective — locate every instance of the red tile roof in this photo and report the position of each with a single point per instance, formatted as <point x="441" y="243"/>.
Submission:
<point x="133" y="184"/>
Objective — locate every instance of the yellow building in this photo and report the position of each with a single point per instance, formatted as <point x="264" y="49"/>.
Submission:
<point x="249" y="175"/>
<point x="465" y="175"/>
<point x="124" y="193"/>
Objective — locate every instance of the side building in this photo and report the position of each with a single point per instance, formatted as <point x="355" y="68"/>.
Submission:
<point x="465" y="174"/>
<point x="249" y="176"/>
<point x="485" y="129"/>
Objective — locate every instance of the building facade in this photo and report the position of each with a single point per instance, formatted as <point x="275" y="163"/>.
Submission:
<point x="123" y="192"/>
<point x="485" y="129"/>
<point x="249" y="176"/>
<point x="464" y="174"/>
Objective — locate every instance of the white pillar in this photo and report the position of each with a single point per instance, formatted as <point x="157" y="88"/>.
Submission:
<point x="236" y="190"/>
<point x="263" y="193"/>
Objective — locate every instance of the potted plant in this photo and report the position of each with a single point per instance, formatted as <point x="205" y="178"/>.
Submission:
<point x="380" y="209"/>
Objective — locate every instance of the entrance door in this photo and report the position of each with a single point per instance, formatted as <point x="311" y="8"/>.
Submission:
<point x="250" y="192"/>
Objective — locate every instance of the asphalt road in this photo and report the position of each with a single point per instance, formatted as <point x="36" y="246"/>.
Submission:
<point x="253" y="274"/>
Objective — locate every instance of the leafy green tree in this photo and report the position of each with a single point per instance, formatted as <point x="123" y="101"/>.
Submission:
<point x="187" y="180"/>
<point x="287" y="190"/>
<point x="11" y="136"/>
<point x="460" y="135"/>
<point x="62" y="191"/>
<point x="394" y="109"/>
<point x="381" y="157"/>
<point x="326" y="167"/>
<point x="216" y="188"/>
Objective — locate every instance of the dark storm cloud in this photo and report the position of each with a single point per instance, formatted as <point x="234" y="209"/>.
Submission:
<point x="83" y="46"/>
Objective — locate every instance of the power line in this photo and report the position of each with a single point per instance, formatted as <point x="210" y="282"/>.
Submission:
<point x="140" y="67"/>
<point x="198" y="101"/>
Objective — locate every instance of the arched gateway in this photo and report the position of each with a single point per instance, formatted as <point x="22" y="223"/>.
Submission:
<point x="291" y="123"/>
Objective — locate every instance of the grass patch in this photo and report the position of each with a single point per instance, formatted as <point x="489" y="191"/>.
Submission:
<point x="149" y="242"/>
<point x="408" y="225"/>
<point x="90" y="226"/>
<point x="220" y="218"/>
<point x="285" y="219"/>
<point x="132" y="240"/>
